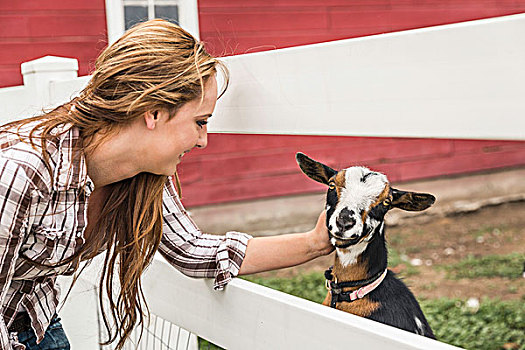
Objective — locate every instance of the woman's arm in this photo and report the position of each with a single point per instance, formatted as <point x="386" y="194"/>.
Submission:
<point x="275" y="252"/>
<point x="222" y="257"/>
<point x="194" y="253"/>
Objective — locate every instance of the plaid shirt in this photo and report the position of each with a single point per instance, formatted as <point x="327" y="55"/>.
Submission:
<point x="43" y="217"/>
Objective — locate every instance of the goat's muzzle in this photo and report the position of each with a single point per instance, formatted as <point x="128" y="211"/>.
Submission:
<point x="345" y="242"/>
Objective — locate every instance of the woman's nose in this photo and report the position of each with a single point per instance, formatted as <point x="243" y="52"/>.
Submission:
<point x="202" y="142"/>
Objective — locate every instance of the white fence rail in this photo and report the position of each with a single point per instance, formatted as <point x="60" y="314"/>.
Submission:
<point x="243" y="316"/>
<point x="461" y="81"/>
<point x="249" y="316"/>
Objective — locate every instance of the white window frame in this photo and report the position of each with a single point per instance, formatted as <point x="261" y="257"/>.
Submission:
<point x="188" y="15"/>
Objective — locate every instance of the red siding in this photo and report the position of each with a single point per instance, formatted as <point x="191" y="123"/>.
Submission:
<point x="31" y="29"/>
<point x="237" y="26"/>
<point x="237" y="167"/>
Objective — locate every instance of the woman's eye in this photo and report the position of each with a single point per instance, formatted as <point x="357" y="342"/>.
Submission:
<point x="201" y="123"/>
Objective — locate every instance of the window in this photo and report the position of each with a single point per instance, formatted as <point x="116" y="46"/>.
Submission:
<point x="123" y="14"/>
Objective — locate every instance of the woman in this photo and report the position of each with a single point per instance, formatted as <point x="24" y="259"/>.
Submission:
<point x="93" y="175"/>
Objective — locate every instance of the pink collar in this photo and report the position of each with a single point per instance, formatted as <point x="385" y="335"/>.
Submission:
<point x="364" y="290"/>
<point x="338" y="295"/>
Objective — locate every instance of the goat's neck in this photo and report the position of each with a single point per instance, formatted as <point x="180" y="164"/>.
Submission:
<point x="363" y="260"/>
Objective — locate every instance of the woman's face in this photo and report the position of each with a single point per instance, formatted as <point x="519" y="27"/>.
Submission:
<point x="172" y="138"/>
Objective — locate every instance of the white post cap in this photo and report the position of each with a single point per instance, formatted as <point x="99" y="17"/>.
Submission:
<point x="50" y="64"/>
<point x="39" y="75"/>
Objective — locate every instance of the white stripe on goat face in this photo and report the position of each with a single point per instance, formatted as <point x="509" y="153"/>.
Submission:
<point x="361" y="189"/>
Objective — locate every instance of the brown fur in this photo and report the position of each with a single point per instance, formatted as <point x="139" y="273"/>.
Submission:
<point x="413" y="201"/>
<point x="360" y="307"/>
<point x="353" y="272"/>
<point x="384" y="195"/>
<point x="315" y="171"/>
<point x="340" y="182"/>
<point x="358" y="271"/>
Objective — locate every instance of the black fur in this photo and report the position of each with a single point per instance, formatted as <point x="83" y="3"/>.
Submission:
<point x="398" y="306"/>
<point x="411" y="201"/>
<point x="331" y="200"/>
<point x="313" y="169"/>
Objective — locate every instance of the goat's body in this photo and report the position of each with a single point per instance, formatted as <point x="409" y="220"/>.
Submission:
<point x="398" y="307"/>
<point x="356" y="203"/>
<point x="391" y="302"/>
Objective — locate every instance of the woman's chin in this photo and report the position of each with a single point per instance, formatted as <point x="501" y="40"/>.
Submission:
<point x="165" y="172"/>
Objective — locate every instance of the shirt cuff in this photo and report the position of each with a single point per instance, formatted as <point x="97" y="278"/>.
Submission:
<point x="229" y="257"/>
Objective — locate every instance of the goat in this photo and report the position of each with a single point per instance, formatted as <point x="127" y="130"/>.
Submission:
<point x="359" y="281"/>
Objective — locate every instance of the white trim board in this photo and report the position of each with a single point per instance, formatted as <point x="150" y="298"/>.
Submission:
<point x="464" y="80"/>
<point x="188" y="17"/>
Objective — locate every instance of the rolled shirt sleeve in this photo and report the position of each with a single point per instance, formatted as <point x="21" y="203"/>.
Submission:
<point x="194" y="253"/>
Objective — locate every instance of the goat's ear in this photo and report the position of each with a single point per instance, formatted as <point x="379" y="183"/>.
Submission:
<point x="314" y="170"/>
<point x="411" y="201"/>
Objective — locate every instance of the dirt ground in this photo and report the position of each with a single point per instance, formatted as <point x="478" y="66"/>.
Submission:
<point x="495" y="230"/>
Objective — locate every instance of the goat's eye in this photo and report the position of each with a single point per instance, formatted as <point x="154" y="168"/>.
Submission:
<point x="331" y="186"/>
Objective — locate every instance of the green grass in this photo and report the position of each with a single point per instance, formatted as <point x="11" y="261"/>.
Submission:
<point x="492" y="325"/>
<point x="206" y="345"/>
<point x="394" y="259"/>
<point x="484" y="230"/>
<point x="308" y="286"/>
<point x="509" y="266"/>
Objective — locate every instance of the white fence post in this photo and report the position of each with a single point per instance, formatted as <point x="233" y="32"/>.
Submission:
<point x="39" y="73"/>
<point x="41" y="78"/>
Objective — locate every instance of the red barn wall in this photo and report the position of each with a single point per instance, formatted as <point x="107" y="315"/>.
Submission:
<point x="240" y="26"/>
<point x="240" y="167"/>
<point x="30" y="29"/>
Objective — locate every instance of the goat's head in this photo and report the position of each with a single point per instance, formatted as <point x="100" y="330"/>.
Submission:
<point x="358" y="199"/>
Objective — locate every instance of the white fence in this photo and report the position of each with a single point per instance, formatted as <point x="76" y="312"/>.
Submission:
<point x="462" y="81"/>
<point x="455" y="81"/>
<point x="83" y="322"/>
<point x="243" y="316"/>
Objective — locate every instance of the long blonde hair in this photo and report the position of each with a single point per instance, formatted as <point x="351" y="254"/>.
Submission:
<point x="154" y="65"/>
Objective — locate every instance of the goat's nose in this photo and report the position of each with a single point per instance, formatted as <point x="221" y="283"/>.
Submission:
<point x="345" y="224"/>
<point x="344" y="220"/>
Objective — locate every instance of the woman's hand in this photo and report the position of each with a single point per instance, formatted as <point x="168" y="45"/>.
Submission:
<point x="319" y="238"/>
